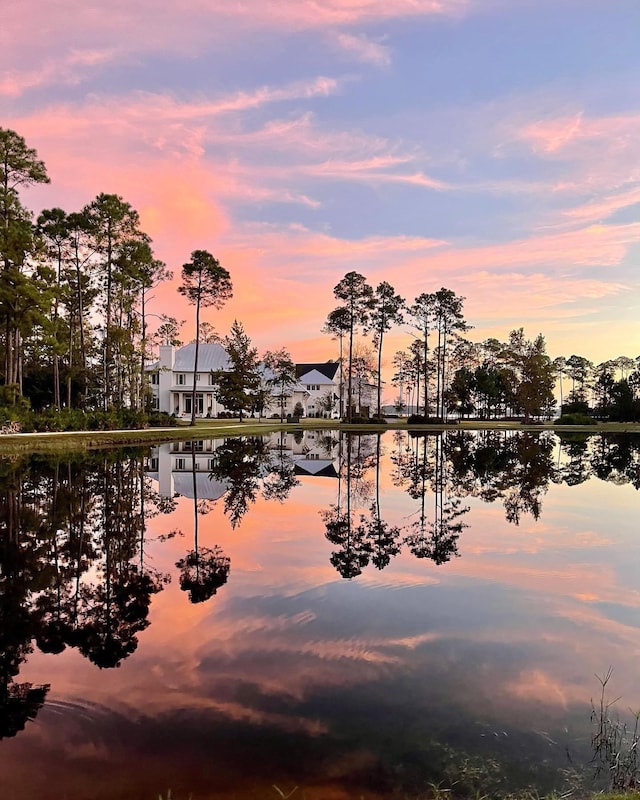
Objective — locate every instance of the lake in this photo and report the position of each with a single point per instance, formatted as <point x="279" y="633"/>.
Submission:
<point x="352" y="615"/>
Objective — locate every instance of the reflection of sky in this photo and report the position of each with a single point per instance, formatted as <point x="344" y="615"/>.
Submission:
<point x="312" y="679"/>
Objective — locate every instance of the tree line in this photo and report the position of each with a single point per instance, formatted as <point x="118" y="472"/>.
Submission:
<point x="76" y="293"/>
<point x="441" y="373"/>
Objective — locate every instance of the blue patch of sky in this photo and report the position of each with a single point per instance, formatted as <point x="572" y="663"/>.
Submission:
<point x="623" y="216"/>
<point x="353" y="211"/>
<point x="485" y="56"/>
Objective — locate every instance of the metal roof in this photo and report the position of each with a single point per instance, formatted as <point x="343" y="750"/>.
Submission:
<point x="210" y="357"/>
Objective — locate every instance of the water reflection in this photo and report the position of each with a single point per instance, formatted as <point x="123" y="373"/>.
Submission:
<point x="72" y="566"/>
<point x="88" y="546"/>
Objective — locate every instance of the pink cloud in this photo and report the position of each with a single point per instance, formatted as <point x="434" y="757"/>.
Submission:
<point x="187" y="29"/>
<point x="595" y="153"/>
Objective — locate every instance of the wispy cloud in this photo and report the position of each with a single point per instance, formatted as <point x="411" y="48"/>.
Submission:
<point x="69" y="70"/>
<point x="364" y="49"/>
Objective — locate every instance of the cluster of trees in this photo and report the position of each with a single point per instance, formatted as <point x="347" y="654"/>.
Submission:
<point x="74" y="295"/>
<point x="609" y="390"/>
<point x="442" y="372"/>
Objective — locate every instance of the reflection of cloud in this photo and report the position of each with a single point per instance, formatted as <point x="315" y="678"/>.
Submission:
<point x="537" y="685"/>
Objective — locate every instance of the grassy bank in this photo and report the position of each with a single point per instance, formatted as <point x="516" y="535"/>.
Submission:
<point x="204" y="429"/>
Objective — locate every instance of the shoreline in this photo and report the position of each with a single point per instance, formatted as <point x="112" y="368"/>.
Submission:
<point x="65" y="441"/>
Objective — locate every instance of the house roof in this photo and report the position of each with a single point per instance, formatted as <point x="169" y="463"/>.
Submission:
<point x="328" y="369"/>
<point x="210" y="356"/>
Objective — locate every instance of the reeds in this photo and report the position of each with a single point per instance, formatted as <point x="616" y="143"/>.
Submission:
<point x="615" y="744"/>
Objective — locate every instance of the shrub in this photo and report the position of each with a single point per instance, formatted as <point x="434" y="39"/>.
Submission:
<point x="161" y="419"/>
<point x="421" y="419"/>
<point x="575" y="419"/>
<point x="357" y="420"/>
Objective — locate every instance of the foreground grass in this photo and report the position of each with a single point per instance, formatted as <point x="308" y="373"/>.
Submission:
<point x="89" y="440"/>
<point x="434" y="794"/>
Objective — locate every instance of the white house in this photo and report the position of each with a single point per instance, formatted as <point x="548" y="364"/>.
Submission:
<point x="322" y="381"/>
<point x="171" y="380"/>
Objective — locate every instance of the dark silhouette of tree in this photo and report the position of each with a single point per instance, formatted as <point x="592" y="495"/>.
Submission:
<point x="449" y="323"/>
<point x="205" y="283"/>
<point x="386" y="312"/>
<point x="357" y="300"/>
<point x="24" y="295"/>
<point x="236" y="387"/>
<point x="338" y="324"/>
<point x="282" y="376"/>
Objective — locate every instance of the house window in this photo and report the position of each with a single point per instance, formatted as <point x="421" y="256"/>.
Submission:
<point x="198" y="377"/>
<point x="313" y="387"/>
<point x="181" y="379"/>
<point x="211" y="379"/>
<point x="180" y="462"/>
<point x="154" y="378"/>
<point x="155" y="403"/>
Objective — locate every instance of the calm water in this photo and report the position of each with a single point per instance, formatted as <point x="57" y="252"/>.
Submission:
<point x="354" y="616"/>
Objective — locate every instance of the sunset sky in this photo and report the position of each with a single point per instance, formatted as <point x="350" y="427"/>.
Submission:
<point x="489" y="146"/>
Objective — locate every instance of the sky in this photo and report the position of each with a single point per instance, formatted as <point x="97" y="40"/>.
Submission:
<point x="488" y="146"/>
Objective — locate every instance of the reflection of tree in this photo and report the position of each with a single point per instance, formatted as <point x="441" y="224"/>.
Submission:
<point x="114" y="609"/>
<point x="204" y="569"/>
<point x="202" y="572"/>
<point x="382" y="537"/>
<point x="528" y="477"/>
<point x="19" y="575"/>
<point x="240" y="463"/>
<point x="514" y="467"/>
<point x="435" y="538"/>
<point x="281" y="477"/>
<point x="575" y="469"/>
<point x="59" y="523"/>
<point x="354" y="549"/>
<point x="112" y="613"/>
<point x="616" y="458"/>
<point x="19" y="703"/>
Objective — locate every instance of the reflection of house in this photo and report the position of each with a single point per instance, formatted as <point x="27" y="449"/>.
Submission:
<point x="171" y="379"/>
<point x="172" y="465"/>
<point x="313" y="452"/>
